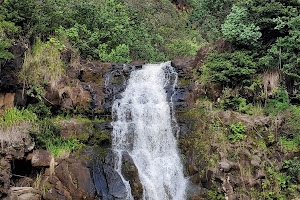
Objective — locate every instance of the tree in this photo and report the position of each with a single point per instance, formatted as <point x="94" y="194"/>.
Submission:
<point x="6" y="28"/>
<point x="239" y="30"/>
<point x="208" y="15"/>
<point x="231" y="69"/>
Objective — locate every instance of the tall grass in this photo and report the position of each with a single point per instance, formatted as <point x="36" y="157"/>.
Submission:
<point x="42" y="65"/>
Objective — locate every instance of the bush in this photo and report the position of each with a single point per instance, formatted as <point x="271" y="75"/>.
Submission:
<point x="40" y="109"/>
<point x="238" y="29"/>
<point x="279" y="104"/>
<point x="231" y="69"/>
<point x="119" y="55"/>
<point x="236" y="104"/>
<point x="238" y="131"/>
<point x="44" y="133"/>
<point x="6" y="30"/>
<point x="290" y="144"/>
<point x="292" y="168"/>
<point x="204" y="17"/>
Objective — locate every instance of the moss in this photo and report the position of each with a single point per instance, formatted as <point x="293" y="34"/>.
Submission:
<point x="83" y="136"/>
<point x="184" y="81"/>
<point x="101" y="136"/>
<point x="100" y="152"/>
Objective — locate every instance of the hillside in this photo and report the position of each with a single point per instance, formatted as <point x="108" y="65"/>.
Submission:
<point x="235" y="105"/>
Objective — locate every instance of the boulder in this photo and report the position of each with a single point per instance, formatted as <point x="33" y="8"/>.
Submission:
<point x="15" y="140"/>
<point x="184" y="66"/>
<point x="71" y="180"/>
<point x="81" y="175"/>
<point x="115" y="184"/>
<point x="23" y="193"/>
<point x="41" y="158"/>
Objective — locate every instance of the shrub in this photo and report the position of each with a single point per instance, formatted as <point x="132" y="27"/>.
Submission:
<point x="7" y="29"/>
<point x="45" y="133"/>
<point x="119" y="55"/>
<point x="290" y="144"/>
<point x="238" y="131"/>
<point x="40" y="109"/>
<point x="231" y="68"/>
<point x="279" y="103"/>
<point x="204" y="17"/>
<point x="292" y="168"/>
<point x="236" y="104"/>
<point x="238" y="29"/>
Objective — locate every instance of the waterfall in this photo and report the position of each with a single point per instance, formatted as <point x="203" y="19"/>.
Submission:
<point x="142" y="126"/>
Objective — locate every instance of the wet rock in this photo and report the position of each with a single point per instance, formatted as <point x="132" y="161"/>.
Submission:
<point x="184" y="66"/>
<point x="192" y="169"/>
<point x="195" y="179"/>
<point x="137" y="63"/>
<point x="115" y="184"/>
<point x="100" y="181"/>
<point x="41" y="158"/>
<point x="115" y="80"/>
<point x="130" y="173"/>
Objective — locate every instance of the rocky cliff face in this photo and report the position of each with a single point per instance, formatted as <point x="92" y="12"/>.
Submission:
<point x="216" y="167"/>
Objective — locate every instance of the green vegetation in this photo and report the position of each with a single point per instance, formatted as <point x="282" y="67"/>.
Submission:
<point x="238" y="29"/>
<point x="231" y="69"/>
<point x="14" y="117"/>
<point x="7" y="30"/>
<point x="253" y="78"/>
<point x="112" y="30"/>
<point x="15" y="124"/>
<point x="237" y="132"/>
<point x="42" y="66"/>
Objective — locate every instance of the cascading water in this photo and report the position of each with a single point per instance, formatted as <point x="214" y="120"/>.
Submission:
<point x="143" y="127"/>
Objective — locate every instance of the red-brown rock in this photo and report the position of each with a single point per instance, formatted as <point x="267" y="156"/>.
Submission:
<point x="41" y="158"/>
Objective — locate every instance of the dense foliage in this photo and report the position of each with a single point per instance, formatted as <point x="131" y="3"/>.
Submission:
<point x="112" y="30"/>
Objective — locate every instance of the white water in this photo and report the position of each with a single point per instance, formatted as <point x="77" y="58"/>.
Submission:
<point x="143" y="127"/>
